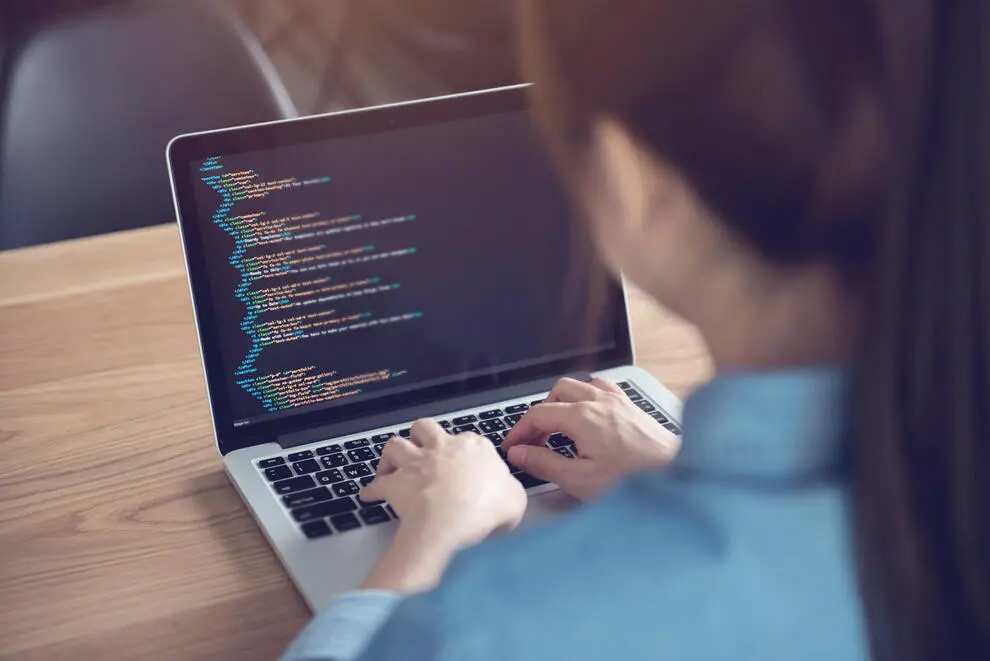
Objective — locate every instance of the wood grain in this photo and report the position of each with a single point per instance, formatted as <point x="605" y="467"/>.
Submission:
<point x="120" y="536"/>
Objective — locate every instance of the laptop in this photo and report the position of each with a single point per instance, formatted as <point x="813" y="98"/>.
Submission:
<point x="354" y="272"/>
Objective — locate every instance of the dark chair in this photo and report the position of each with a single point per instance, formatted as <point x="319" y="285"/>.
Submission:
<point x="470" y="44"/>
<point x="90" y="100"/>
<point x="458" y="45"/>
<point x="467" y="45"/>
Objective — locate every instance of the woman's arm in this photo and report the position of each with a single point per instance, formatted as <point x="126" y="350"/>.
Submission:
<point x="414" y="563"/>
<point x="450" y="492"/>
<point x="343" y="631"/>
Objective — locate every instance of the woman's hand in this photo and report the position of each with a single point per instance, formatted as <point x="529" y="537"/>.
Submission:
<point x="450" y="492"/>
<point x="614" y="438"/>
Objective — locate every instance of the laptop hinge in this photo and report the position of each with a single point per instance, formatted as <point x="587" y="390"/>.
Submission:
<point x="432" y="409"/>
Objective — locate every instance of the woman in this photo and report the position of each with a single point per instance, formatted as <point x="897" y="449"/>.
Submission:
<point x="806" y="182"/>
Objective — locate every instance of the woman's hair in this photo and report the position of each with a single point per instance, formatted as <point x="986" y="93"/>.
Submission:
<point x="858" y="132"/>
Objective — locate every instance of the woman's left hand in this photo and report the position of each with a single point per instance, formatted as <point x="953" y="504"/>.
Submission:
<point x="450" y="492"/>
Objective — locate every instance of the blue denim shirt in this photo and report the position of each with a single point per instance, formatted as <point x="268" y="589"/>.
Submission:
<point x="741" y="551"/>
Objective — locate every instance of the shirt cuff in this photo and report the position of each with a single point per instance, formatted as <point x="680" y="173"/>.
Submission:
<point x="343" y="631"/>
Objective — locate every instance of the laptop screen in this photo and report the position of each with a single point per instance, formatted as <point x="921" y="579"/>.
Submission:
<point x="347" y="270"/>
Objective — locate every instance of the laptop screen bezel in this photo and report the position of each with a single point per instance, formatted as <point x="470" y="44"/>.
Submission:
<point x="186" y="150"/>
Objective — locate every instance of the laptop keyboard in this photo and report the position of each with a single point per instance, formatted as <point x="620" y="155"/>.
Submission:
<point x="319" y="487"/>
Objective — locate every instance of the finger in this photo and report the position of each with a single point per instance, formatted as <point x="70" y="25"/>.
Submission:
<point x="385" y="467"/>
<point x="427" y="433"/>
<point x="377" y="489"/>
<point x="606" y="385"/>
<point x="546" y="464"/>
<point x="541" y="421"/>
<point x="572" y="390"/>
<point x="398" y="452"/>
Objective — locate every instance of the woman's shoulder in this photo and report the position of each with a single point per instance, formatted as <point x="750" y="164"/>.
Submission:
<point x="666" y="566"/>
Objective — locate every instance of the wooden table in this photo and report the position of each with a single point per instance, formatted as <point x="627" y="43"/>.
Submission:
<point x="120" y="535"/>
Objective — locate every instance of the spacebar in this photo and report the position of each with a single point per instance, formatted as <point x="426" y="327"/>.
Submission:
<point x="320" y="510"/>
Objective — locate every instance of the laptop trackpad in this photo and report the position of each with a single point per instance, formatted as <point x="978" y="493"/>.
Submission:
<point x="548" y="505"/>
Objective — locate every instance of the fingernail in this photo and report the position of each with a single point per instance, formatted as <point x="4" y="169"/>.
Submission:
<point x="517" y="454"/>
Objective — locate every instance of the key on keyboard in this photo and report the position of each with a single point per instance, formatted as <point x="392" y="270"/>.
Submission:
<point x="294" y="484"/>
<point x="269" y="463"/>
<point x="361" y="454"/>
<point x="355" y="471"/>
<point x="464" y="420"/>
<point x="464" y="429"/>
<point x="278" y="473"/>
<point x="374" y="515"/>
<point x="316" y="529"/>
<point x="511" y="420"/>
<point x="356" y="443"/>
<point x="488" y="426"/>
<point x="646" y="406"/>
<point x="333" y="460"/>
<point x="306" y="466"/>
<point x="330" y="477"/>
<point x="346" y="489"/>
<point x="299" y="456"/>
<point x="307" y="497"/>
<point x="518" y="408"/>
<point x="324" y="509"/>
<point x="488" y="415"/>
<point x="559" y="441"/>
<point x="330" y="449"/>
<point x="345" y="522"/>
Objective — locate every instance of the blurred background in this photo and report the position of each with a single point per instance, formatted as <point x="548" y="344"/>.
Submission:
<point x="92" y="90"/>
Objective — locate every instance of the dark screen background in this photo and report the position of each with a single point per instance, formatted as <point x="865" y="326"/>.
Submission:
<point x="495" y="275"/>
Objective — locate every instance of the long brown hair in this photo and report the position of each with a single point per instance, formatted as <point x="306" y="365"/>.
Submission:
<point x="856" y="131"/>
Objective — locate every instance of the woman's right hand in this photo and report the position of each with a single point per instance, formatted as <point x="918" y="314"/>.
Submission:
<point x="614" y="438"/>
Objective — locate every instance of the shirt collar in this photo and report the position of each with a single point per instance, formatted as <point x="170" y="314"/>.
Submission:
<point x="784" y="424"/>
